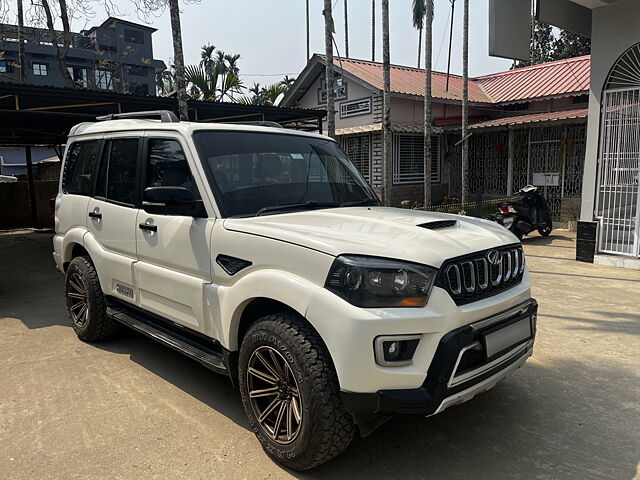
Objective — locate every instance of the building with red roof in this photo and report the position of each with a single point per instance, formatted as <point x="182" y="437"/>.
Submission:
<point x="526" y="124"/>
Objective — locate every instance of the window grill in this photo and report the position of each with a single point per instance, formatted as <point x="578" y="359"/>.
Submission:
<point x="408" y="159"/>
<point x="358" y="148"/>
<point x="357" y="107"/>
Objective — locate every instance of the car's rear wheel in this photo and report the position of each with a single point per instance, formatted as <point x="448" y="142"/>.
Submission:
<point x="85" y="302"/>
<point x="290" y="392"/>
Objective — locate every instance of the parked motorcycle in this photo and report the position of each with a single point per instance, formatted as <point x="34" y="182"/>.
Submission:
<point x="528" y="213"/>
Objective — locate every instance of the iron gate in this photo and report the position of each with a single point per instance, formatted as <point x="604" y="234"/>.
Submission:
<point x="619" y="172"/>
<point x="545" y="171"/>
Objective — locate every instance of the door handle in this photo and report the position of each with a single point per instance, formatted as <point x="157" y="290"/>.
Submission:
<point x="148" y="226"/>
<point x="95" y="215"/>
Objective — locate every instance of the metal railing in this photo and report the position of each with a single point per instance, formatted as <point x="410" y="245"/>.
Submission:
<point x="485" y="209"/>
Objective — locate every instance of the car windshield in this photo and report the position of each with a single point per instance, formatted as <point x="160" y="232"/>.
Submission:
<point x="255" y="173"/>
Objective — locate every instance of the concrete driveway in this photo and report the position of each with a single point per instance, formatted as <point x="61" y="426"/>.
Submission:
<point x="131" y="408"/>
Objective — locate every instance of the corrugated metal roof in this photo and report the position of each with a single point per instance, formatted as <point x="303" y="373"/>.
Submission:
<point x="553" y="79"/>
<point x="410" y="81"/>
<point x="559" y="78"/>
<point x="533" y="118"/>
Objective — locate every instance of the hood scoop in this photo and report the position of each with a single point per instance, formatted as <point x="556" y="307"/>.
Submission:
<point x="439" y="224"/>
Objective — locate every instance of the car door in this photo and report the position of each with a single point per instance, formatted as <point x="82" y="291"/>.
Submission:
<point x="112" y="214"/>
<point x="174" y="264"/>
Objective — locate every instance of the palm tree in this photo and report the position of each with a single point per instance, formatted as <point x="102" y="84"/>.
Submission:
<point x="373" y="30"/>
<point x="328" y="38"/>
<point x="419" y="10"/>
<point x="288" y="81"/>
<point x="178" y="59"/>
<point x="465" y="101"/>
<point x="21" y="59"/>
<point x="428" y="59"/>
<point x="206" y="56"/>
<point x="387" y="166"/>
<point x="346" y="30"/>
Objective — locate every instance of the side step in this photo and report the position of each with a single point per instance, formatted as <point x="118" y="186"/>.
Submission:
<point x="207" y="357"/>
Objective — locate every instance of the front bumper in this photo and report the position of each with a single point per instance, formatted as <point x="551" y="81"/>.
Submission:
<point x="458" y="372"/>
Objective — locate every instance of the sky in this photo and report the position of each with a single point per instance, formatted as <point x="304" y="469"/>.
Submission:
<point x="270" y="35"/>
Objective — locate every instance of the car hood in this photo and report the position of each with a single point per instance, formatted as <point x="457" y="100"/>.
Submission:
<point x="379" y="231"/>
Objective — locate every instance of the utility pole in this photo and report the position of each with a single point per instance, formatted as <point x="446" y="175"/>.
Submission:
<point x="21" y="59"/>
<point x="328" y="43"/>
<point x="346" y="30"/>
<point x="465" y="103"/>
<point x="387" y="165"/>
<point x="373" y="30"/>
<point x="308" y="51"/>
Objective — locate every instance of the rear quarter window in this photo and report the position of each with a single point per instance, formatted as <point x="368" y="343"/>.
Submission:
<point x="79" y="167"/>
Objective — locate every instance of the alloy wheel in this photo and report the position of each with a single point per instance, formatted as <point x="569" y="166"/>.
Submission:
<point x="274" y="395"/>
<point x="78" y="300"/>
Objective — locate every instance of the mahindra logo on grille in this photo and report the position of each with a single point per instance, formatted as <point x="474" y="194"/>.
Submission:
<point x="494" y="257"/>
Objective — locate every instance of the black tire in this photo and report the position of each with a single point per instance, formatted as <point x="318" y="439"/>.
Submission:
<point x="325" y="428"/>
<point x="81" y="280"/>
<point x="546" y="230"/>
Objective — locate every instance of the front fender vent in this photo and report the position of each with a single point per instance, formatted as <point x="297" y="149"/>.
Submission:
<point x="231" y="265"/>
<point x="437" y="225"/>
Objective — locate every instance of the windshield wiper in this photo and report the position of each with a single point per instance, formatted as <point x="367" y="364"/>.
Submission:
<point x="310" y="205"/>
<point x="359" y="203"/>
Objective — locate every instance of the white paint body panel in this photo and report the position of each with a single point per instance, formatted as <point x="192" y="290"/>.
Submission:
<point x="174" y="272"/>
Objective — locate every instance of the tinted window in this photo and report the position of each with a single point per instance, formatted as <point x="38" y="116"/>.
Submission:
<point x="117" y="176"/>
<point x="252" y="171"/>
<point x="167" y="166"/>
<point x="79" y="167"/>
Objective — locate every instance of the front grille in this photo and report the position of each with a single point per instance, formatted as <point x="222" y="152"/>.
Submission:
<point x="482" y="274"/>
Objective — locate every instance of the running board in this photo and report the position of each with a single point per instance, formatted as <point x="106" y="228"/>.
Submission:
<point x="208" y="358"/>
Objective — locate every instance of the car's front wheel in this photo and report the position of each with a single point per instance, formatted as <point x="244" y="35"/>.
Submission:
<point x="290" y="392"/>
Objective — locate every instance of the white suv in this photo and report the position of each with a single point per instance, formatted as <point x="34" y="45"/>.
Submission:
<point x="263" y="254"/>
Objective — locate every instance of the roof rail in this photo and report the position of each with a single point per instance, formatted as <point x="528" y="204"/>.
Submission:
<point x="259" y="123"/>
<point x="165" y="116"/>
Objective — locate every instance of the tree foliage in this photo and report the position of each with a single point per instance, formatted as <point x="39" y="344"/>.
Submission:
<point x="546" y="46"/>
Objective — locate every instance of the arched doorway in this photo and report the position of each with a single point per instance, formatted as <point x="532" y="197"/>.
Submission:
<point x="619" y="162"/>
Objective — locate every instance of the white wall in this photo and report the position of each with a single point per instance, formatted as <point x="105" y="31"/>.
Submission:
<point x="615" y="28"/>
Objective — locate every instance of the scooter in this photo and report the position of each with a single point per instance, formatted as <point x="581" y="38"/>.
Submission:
<point x="528" y="213"/>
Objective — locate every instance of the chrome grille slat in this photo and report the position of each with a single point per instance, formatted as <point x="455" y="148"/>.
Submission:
<point x="472" y="277"/>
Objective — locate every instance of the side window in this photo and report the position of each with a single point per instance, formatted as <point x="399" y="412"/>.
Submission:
<point x="117" y="175"/>
<point x="167" y="166"/>
<point x="79" y="167"/>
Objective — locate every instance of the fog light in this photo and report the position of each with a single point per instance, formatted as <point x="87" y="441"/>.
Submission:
<point x="396" y="350"/>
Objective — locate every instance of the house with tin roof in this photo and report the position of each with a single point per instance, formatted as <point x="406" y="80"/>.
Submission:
<point x="527" y="127"/>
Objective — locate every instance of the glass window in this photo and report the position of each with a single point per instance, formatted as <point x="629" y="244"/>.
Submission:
<point x="40" y="69"/>
<point x="117" y="176"/>
<point x="104" y="79"/>
<point x="78" y="75"/>
<point x="358" y="147"/>
<point x="133" y="36"/>
<point x="408" y="159"/>
<point x="79" y="167"/>
<point x="252" y="171"/>
<point x="167" y="166"/>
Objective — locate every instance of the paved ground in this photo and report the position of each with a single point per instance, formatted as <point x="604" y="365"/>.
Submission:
<point x="131" y="408"/>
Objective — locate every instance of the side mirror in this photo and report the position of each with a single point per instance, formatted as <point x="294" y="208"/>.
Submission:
<point x="172" y="201"/>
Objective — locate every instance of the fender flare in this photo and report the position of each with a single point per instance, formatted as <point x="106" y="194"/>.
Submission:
<point x="286" y="288"/>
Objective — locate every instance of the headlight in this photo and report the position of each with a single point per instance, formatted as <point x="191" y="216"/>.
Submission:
<point x="377" y="282"/>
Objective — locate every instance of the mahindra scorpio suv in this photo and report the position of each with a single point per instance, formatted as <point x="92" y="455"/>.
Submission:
<point x="263" y="254"/>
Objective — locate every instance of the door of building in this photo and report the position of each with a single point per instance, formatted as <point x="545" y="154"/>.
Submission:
<point x="619" y="172"/>
<point x="546" y="172"/>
